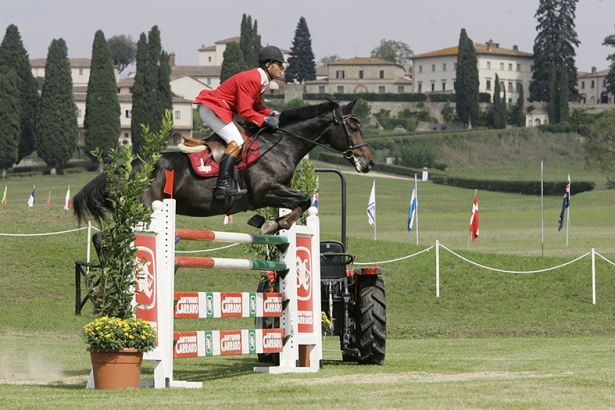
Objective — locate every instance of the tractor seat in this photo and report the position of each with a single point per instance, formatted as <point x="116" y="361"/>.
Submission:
<point x="333" y="260"/>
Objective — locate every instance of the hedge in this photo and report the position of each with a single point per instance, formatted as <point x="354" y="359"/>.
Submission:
<point x="519" y="187"/>
<point x="407" y="97"/>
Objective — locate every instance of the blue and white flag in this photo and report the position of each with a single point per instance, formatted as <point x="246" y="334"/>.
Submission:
<point x="30" y="202"/>
<point x="414" y="203"/>
<point x="565" y="205"/>
<point x="371" y="206"/>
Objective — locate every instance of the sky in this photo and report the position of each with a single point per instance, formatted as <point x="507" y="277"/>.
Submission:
<point x="348" y="28"/>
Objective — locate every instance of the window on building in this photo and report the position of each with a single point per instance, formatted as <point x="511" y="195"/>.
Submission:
<point x="178" y="115"/>
<point x="582" y="84"/>
<point x="444" y="67"/>
<point x="433" y="87"/>
<point x="420" y="90"/>
<point x="381" y="89"/>
<point x="455" y="66"/>
<point x="81" y="71"/>
<point x="360" y="73"/>
<point x="79" y="113"/>
<point x="209" y="81"/>
<point x="128" y="114"/>
<point x="381" y="73"/>
<point x="340" y="89"/>
<point x="532" y="68"/>
<point x="518" y="88"/>
<point x="518" y="67"/>
<point x="339" y="74"/>
<point x="488" y="65"/>
<point x="488" y="84"/>
<point x="400" y="89"/>
<point x="433" y="67"/>
<point x="443" y="86"/>
<point x="592" y="83"/>
<point x="510" y="67"/>
<point x="209" y="59"/>
<point x="501" y="85"/>
<point x="321" y="89"/>
<point x="501" y="66"/>
<point x="420" y="69"/>
<point x="510" y="100"/>
<point x="80" y="137"/>
<point x="510" y="87"/>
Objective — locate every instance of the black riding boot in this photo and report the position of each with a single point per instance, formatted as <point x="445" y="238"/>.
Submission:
<point x="227" y="165"/>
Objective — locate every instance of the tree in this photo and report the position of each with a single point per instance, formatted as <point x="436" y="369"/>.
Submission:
<point x="562" y="98"/>
<point x="151" y="92"/>
<point x="102" y="109"/>
<point x="497" y="106"/>
<point x="328" y="59"/>
<point x="123" y="50"/>
<point x="610" y="78"/>
<point x="9" y="118"/>
<point x="13" y="56"/>
<point x="503" y="111"/>
<point x="466" y="84"/>
<point x="362" y="110"/>
<point x="600" y="145"/>
<point x="301" y="66"/>
<point x="554" y="46"/>
<point x="519" y="112"/>
<point x="232" y="62"/>
<point x="249" y="42"/>
<point x="57" y="121"/>
<point x="393" y="51"/>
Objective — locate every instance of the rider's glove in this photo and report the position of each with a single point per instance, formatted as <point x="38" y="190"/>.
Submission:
<point x="275" y="113"/>
<point x="272" y="122"/>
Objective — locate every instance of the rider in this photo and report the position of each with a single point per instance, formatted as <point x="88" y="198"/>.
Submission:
<point x="240" y="94"/>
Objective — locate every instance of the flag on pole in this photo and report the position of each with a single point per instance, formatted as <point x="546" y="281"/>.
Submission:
<point x="67" y="199"/>
<point x="168" y="185"/>
<point x="3" y="202"/>
<point x="474" y="219"/>
<point x="371" y="206"/>
<point x="315" y="200"/>
<point x="30" y="202"/>
<point x="49" y="200"/>
<point x="414" y="203"/>
<point x="565" y="205"/>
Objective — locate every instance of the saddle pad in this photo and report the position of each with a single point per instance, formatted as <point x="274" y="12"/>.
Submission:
<point x="204" y="165"/>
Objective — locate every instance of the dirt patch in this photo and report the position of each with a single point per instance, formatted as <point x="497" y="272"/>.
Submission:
<point x="33" y="369"/>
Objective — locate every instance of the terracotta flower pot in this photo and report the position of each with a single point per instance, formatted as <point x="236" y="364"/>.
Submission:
<point x="115" y="370"/>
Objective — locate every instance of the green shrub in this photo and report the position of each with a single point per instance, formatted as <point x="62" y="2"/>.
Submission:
<point x="520" y="187"/>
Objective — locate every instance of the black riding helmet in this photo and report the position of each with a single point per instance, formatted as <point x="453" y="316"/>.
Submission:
<point x="270" y="54"/>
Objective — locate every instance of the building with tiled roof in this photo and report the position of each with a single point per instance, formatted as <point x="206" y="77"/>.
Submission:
<point x="361" y="75"/>
<point x="435" y="71"/>
<point x="80" y="70"/>
<point x="592" y="87"/>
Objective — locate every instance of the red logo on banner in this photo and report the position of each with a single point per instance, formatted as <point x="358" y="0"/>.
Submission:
<point x="185" y="344"/>
<point x="230" y="304"/>
<point x="145" y="271"/>
<point x="186" y="305"/>
<point x="230" y="342"/>
<point x="272" y="304"/>
<point x="304" y="285"/>
<point x="273" y="340"/>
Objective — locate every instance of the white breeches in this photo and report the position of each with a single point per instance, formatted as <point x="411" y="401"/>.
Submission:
<point x="228" y="132"/>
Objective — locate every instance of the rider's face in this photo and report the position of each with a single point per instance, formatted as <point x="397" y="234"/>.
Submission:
<point x="275" y="69"/>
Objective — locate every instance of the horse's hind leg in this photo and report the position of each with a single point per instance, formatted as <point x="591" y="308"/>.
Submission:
<point x="284" y="222"/>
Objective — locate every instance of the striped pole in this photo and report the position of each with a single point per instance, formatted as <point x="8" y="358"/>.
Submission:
<point x="225" y="263"/>
<point x="233" y="237"/>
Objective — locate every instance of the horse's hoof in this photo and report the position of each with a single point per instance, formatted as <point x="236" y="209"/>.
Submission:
<point x="270" y="227"/>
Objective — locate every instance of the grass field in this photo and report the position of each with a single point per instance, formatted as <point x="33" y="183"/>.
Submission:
<point x="492" y="340"/>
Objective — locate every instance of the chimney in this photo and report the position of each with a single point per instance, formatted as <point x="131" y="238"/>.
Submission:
<point x="489" y="44"/>
<point x="172" y="59"/>
<point x="516" y="47"/>
<point x="593" y="70"/>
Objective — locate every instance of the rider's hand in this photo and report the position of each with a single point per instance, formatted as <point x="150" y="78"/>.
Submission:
<point x="272" y="122"/>
<point x="275" y="113"/>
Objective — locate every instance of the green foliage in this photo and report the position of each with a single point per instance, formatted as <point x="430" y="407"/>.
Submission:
<point x="497" y="106"/>
<point x="123" y="50"/>
<point x="57" y="122"/>
<point x="9" y="118"/>
<point x="199" y="128"/>
<point x="519" y="114"/>
<point x="112" y="333"/>
<point x="102" y="109"/>
<point x="301" y="65"/>
<point x="520" y="187"/>
<point x="232" y="62"/>
<point x="466" y="85"/>
<point x="447" y="113"/>
<point x="554" y="47"/>
<point x="296" y="103"/>
<point x="127" y="179"/>
<point x="417" y="155"/>
<point x="610" y="78"/>
<point x="600" y="145"/>
<point x="13" y="56"/>
<point x="329" y="59"/>
<point x="249" y="43"/>
<point x="367" y="96"/>
<point x="409" y="122"/>
<point x="393" y="51"/>
<point x="362" y="110"/>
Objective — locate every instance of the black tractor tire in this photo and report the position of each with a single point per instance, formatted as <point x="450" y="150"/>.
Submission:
<point x="266" y="323"/>
<point x="371" y="320"/>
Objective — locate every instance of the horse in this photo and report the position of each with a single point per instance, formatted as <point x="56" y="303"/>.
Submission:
<point x="329" y="124"/>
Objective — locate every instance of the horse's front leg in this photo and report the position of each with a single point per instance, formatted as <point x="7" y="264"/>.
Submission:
<point x="284" y="197"/>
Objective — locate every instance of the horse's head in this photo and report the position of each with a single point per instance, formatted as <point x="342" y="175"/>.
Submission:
<point x="348" y="139"/>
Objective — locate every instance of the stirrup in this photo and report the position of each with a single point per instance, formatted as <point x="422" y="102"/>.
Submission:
<point x="227" y="191"/>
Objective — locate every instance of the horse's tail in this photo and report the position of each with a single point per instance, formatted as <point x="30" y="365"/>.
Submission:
<point x="92" y="201"/>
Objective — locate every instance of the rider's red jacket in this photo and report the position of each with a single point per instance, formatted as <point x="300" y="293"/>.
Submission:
<point x="241" y="94"/>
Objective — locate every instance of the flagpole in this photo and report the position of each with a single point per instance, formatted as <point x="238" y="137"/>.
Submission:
<point x="374" y="185"/>
<point x="542" y="206"/>
<point x="417" y="210"/>
<point x="568" y="217"/>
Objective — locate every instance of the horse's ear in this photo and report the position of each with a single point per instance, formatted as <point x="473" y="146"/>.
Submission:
<point x="348" y="107"/>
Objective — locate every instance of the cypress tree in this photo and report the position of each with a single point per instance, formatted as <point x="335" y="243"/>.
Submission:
<point x="497" y="107"/>
<point x="610" y="78"/>
<point x="301" y="64"/>
<point x="519" y="113"/>
<point x="466" y="83"/>
<point x="13" y="55"/>
<point x="9" y="118"/>
<point x="563" y="95"/>
<point x="232" y="62"/>
<point x="553" y="98"/>
<point x="256" y="44"/>
<point x="503" y="111"/>
<point x="165" y="95"/>
<point x="247" y="42"/>
<point x="102" y="109"/>
<point x="57" y="121"/>
<point x="140" y="102"/>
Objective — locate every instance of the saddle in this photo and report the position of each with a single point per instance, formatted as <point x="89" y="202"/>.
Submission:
<point x="205" y="154"/>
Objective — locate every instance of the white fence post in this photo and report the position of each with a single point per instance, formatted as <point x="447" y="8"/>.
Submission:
<point x="437" y="268"/>
<point x="593" y="276"/>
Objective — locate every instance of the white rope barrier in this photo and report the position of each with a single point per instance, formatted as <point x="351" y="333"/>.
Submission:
<point x="395" y="260"/>
<point x="210" y="250"/>
<point x="44" y="234"/>
<point x="612" y="263"/>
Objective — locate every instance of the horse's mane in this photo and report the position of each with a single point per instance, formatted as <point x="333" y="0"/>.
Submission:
<point x="295" y="115"/>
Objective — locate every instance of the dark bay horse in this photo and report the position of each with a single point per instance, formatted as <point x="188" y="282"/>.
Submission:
<point x="267" y="181"/>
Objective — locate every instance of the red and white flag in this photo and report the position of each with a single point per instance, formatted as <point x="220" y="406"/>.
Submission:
<point x="67" y="199"/>
<point x="474" y="219"/>
<point x="49" y="200"/>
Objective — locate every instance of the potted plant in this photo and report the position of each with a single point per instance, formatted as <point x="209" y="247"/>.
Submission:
<point x="116" y="331"/>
